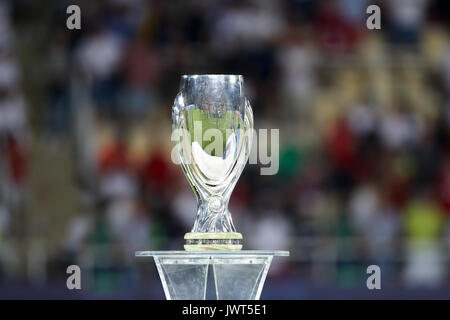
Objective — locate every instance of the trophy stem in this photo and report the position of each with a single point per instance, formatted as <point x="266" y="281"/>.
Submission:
<point x="213" y="228"/>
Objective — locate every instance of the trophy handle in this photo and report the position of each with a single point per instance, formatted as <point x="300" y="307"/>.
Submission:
<point x="184" y="157"/>
<point x="177" y="111"/>
<point x="248" y="126"/>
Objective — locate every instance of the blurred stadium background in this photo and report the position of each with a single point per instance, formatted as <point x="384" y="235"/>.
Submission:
<point x="364" y="119"/>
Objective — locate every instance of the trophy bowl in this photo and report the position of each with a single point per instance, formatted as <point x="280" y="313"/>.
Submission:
<point x="213" y="122"/>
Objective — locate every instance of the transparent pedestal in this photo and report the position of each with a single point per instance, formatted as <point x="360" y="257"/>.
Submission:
<point x="229" y="275"/>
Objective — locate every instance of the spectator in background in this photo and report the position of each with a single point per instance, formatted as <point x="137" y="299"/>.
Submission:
<point x="245" y="25"/>
<point x="399" y="128"/>
<point x="185" y="207"/>
<point x="275" y="224"/>
<point x="58" y="110"/>
<point x="424" y="226"/>
<point x="354" y="12"/>
<point x="13" y="133"/>
<point x="298" y="60"/>
<point x="99" y="54"/>
<point x="336" y="33"/>
<point x="141" y="75"/>
<point x="6" y="31"/>
<point x="443" y="185"/>
<point x="364" y="207"/>
<point x="407" y="19"/>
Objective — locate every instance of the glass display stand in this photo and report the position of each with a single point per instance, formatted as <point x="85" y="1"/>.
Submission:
<point x="236" y="275"/>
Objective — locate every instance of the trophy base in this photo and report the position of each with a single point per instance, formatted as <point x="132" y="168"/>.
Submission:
<point x="203" y="241"/>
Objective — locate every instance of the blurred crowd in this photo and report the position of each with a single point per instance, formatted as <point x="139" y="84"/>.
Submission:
<point x="13" y="131"/>
<point x="364" y="119"/>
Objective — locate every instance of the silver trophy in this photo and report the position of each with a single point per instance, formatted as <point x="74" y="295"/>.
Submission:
<point x="213" y="130"/>
<point x="214" y="123"/>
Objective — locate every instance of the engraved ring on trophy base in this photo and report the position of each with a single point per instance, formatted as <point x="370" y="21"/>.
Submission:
<point x="199" y="241"/>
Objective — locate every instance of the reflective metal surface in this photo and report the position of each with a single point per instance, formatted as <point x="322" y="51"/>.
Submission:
<point x="215" y="121"/>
